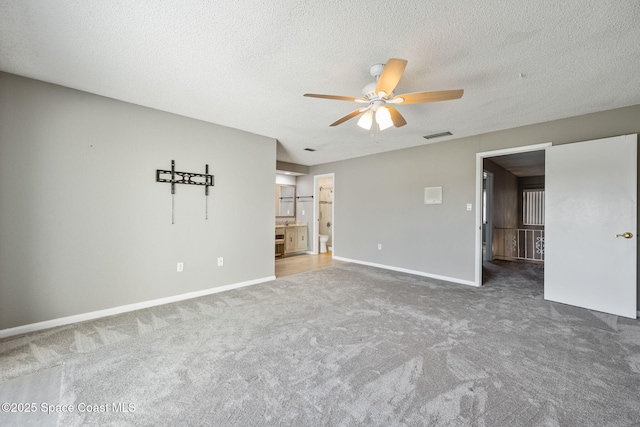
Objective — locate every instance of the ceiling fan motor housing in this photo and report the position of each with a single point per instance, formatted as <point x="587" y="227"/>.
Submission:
<point x="369" y="91"/>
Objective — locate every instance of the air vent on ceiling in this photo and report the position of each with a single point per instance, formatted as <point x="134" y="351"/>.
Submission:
<point x="309" y="149"/>
<point x="437" y="135"/>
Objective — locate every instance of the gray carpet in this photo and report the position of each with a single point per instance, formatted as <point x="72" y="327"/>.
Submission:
<point x="41" y="387"/>
<point x="347" y="346"/>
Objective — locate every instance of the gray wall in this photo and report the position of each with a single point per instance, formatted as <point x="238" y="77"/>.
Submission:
<point x="379" y="198"/>
<point x="83" y="224"/>
<point x="304" y="207"/>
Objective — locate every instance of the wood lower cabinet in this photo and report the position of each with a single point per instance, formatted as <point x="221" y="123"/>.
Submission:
<point x="301" y="239"/>
<point x="290" y="239"/>
<point x="295" y="239"/>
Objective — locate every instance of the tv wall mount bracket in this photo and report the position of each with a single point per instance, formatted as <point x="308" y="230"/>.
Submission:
<point x="174" y="177"/>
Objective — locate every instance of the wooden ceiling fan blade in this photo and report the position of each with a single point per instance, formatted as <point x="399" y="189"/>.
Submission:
<point x="391" y="75"/>
<point x="351" y="115"/>
<point x="421" y="97"/>
<point x="396" y="117"/>
<point x="339" y="98"/>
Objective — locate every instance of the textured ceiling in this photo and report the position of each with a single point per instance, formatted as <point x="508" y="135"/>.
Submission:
<point x="246" y="64"/>
<point x="531" y="163"/>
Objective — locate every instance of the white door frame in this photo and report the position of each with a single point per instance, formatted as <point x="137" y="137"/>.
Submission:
<point x="316" y="212"/>
<point x="479" y="177"/>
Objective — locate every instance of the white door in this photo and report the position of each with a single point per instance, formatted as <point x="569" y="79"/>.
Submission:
<point x="590" y="194"/>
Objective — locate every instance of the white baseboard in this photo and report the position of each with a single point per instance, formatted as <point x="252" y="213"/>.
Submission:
<point x="405" y="270"/>
<point x="33" y="327"/>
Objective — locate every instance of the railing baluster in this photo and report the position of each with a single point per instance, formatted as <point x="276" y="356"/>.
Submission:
<point x="526" y="243"/>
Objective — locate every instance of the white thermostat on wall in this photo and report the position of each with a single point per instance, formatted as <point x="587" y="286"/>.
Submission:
<point x="433" y="195"/>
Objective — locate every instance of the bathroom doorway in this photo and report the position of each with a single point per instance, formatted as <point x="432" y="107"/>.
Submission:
<point x="316" y="208"/>
<point x="323" y="213"/>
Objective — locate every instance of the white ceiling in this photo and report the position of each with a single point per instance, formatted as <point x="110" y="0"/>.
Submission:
<point x="246" y="64"/>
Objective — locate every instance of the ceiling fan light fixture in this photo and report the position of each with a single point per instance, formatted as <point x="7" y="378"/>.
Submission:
<point x="366" y="120"/>
<point x="383" y="118"/>
<point x="382" y="92"/>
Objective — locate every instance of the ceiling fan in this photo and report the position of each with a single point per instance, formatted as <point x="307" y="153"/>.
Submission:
<point x="379" y="96"/>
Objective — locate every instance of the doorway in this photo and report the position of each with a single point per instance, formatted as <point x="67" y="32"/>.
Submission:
<point x="591" y="218"/>
<point x="323" y="213"/>
<point x="318" y="199"/>
<point x="488" y="247"/>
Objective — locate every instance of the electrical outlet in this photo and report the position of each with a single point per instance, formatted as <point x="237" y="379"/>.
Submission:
<point x="379" y="246"/>
<point x="220" y="261"/>
<point x="180" y="267"/>
<point x="469" y="206"/>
